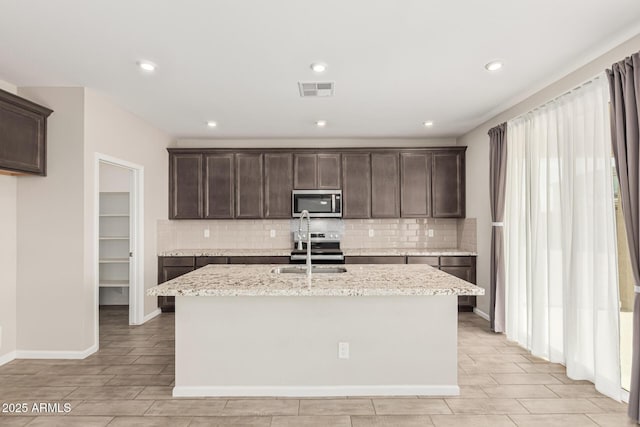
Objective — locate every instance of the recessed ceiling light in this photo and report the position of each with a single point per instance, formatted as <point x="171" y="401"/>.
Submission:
<point x="212" y="124"/>
<point x="493" y="66"/>
<point x="319" y="67"/>
<point x="147" y="66"/>
<point x="428" y="124"/>
<point x="321" y="123"/>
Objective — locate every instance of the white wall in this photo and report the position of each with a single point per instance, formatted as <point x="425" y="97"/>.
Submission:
<point x="115" y="132"/>
<point x="53" y="300"/>
<point x="8" y="258"/>
<point x="114" y="178"/>
<point x="477" y="155"/>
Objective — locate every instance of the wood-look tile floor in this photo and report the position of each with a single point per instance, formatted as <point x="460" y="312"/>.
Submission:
<point x="129" y="381"/>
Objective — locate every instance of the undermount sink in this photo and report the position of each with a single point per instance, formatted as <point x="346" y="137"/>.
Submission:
<point x="303" y="270"/>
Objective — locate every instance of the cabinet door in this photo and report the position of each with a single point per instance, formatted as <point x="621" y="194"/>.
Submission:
<point x="356" y="185"/>
<point x="218" y="185"/>
<point x="185" y="186"/>
<point x="249" y="185"/>
<point x="415" y="184"/>
<point x="23" y="135"/>
<point x="463" y="267"/>
<point x="463" y="272"/>
<point x="305" y="171"/>
<point x="278" y="183"/>
<point x="328" y="171"/>
<point x="170" y="268"/>
<point x="448" y="184"/>
<point x="385" y="185"/>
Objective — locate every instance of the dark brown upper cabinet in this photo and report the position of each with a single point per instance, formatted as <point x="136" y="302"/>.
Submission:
<point x="23" y="136"/>
<point x="376" y="183"/>
<point x="415" y="184"/>
<point x="329" y="171"/>
<point x="278" y="183"/>
<point x="185" y="186"/>
<point x="385" y="185"/>
<point x="313" y="171"/>
<point x="447" y="184"/>
<point x="356" y="185"/>
<point x="305" y="171"/>
<point x="219" y="177"/>
<point x="249" y="185"/>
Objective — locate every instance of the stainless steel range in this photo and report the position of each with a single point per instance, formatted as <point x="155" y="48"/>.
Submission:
<point x="325" y="247"/>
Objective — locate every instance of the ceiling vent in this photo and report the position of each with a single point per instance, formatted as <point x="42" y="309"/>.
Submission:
<point x="314" y="89"/>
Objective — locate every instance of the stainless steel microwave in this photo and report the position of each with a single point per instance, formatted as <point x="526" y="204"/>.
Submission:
<point x="319" y="203"/>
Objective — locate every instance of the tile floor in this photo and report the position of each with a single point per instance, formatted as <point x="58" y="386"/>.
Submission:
<point x="129" y="381"/>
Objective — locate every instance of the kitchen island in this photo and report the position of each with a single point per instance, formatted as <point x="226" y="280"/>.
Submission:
<point x="245" y="330"/>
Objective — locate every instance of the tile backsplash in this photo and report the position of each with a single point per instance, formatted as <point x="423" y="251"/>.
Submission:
<point x="257" y="234"/>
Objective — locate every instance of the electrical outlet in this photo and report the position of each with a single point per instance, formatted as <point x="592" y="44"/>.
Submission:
<point x="343" y="350"/>
<point x="207" y="233"/>
<point x="272" y="233"/>
<point x="371" y="232"/>
<point x="430" y="232"/>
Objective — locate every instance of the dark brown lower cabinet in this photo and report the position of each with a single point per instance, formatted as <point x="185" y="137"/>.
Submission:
<point x="170" y="268"/>
<point x="374" y="260"/>
<point x="463" y="267"/>
<point x="201" y="261"/>
<point x="258" y="260"/>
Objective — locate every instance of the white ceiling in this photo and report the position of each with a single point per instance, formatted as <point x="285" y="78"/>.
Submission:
<point x="395" y="63"/>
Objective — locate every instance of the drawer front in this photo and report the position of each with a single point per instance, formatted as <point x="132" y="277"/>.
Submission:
<point x="201" y="261"/>
<point x="374" y="260"/>
<point x="429" y="260"/>
<point x="258" y="260"/>
<point x="178" y="261"/>
<point x="455" y="261"/>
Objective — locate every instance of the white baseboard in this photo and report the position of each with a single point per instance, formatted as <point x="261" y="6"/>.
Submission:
<point x="151" y="315"/>
<point x="7" y="358"/>
<point x="317" y="391"/>
<point x="482" y="314"/>
<point x="39" y="354"/>
<point x="624" y="396"/>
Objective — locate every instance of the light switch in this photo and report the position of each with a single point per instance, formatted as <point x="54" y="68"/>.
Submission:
<point x="371" y="232"/>
<point x="272" y="233"/>
<point x="207" y="233"/>
<point x="343" y="350"/>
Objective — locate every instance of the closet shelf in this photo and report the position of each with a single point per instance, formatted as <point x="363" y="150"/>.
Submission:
<point x="114" y="284"/>
<point x="114" y="261"/>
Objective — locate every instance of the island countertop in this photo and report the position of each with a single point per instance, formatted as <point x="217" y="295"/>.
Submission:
<point x="359" y="280"/>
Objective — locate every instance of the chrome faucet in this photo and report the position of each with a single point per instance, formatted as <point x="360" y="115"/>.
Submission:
<point x="302" y="215"/>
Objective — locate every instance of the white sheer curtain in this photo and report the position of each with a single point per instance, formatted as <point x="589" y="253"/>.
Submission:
<point x="560" y="240"/>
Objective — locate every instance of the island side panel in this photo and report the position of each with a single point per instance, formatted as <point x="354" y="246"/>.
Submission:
<point x="288" y="346"/>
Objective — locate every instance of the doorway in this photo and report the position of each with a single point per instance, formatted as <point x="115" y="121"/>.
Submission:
<point x="119" y="237"/>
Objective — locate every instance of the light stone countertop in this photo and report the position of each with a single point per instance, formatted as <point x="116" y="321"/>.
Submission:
<point x="406" y="252"/>
<point x="226" y="252"/>
<point x="347" y="252"/>
<point x="359" y="280"/>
